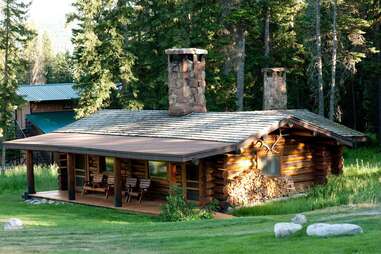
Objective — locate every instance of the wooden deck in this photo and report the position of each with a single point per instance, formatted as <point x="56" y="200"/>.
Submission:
<point x="146" y="207"/>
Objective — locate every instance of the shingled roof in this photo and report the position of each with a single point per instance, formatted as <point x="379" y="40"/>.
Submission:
<point x="154" y="135"/>
<point x="229" y="127"/>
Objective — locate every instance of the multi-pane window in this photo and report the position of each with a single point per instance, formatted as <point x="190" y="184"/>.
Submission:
<point x="158" y="169"/>
<point x="269" y="164"/>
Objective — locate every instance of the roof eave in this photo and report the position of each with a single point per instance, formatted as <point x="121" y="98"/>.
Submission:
<point x="120" y="154"/>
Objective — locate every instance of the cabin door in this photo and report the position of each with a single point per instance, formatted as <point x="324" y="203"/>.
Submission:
<point x="192" y="181"/>
<point x="80" y="171"/>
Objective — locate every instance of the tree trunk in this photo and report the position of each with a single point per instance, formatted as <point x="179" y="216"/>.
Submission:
<point x="354" y="105"/>
<point x="5" y="83"/>
<point x="6" y="49"/>
<point x="267" y="35"/>
<point x="332" y="101"/>
<point x="378" y="31"/>
<point x="319" y="59"/>
<point x="241" y="44"/>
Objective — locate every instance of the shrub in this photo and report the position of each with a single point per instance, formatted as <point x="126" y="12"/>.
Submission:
<point x="178" y="209"/>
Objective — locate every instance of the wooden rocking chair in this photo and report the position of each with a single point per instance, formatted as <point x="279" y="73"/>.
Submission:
<point x="144" y="185"/>
<point x="130" y="186"/>
<point x="96" y="184"/>
<point x="110" y="185"/>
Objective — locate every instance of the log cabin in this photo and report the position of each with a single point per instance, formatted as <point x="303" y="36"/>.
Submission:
<point x="238" y="158"/>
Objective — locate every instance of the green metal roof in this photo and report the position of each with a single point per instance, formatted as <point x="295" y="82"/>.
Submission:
<point x="48" y="92"/>
<point x="51" y="121"/>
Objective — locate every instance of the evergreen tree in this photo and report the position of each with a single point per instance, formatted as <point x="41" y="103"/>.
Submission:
<point x="242" y="37"/>
<point x="101" y="59"/>
<point x="60" y="69"/>
<point x="13" y="37"/>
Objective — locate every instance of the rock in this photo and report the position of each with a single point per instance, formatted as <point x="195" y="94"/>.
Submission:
<point x="44" y="201"/>
<point x="324" y="229"/>
<point x="13" y="224"/>
<point x="284" y="229"/>
<point x="51" y="202"/>
<point x="35" y="202"/>
<point x="28" y="201"/>
<point x="300" y="219"/>
<point x="229" y="209"/>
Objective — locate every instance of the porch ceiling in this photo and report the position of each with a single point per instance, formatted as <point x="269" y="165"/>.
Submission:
<point x="146" y="148"/>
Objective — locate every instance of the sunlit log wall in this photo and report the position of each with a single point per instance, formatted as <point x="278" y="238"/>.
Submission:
<point x="305" y="160"/>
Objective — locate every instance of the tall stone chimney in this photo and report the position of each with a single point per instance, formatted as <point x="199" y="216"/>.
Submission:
<point x="274" y="90"/>
<point x="186" y="80"/>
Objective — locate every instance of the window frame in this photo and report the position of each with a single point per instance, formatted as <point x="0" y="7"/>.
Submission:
<point x="103" y="164"/>
<point x="269" y="161"/>
<point x="156" y="176"/>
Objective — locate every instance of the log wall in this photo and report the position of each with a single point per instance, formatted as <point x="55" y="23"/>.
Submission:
<point x="305" y="160"/>
<point x="51" y="106"/>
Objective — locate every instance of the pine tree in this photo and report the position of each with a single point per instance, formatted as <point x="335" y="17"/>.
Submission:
<point x="13" y="37"/>
<point x="101" y="58"/>
<point x="60" y="69"/>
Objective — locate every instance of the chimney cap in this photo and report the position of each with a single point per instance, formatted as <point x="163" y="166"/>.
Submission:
<point x="186" y="51"/>
<point x="274" y="69"/>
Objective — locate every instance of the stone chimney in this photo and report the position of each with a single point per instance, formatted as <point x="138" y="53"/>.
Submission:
<point x="274" y="90"/>
<point x="186" y="80"/>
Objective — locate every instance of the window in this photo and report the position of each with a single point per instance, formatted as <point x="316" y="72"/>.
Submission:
<point x="79" y="161"/>
<point x="107" y="164"/>
<point x="157" y="169"/>
<point x="80" y="170"/>
<point x="269" y="165"/>
<point x="192" y="181"/>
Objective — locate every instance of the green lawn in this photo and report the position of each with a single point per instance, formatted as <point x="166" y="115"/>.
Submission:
<point x="80" y="229"/>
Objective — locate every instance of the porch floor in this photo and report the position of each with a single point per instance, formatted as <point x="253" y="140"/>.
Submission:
<point x="146" y="207"/>
<point x="149" y="207"/>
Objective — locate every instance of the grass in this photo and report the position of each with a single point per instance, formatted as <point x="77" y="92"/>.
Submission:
<point x="14" y="180"/>
<point x="81" y="229"/>
<point x="360" y="183"/>
<point x="72" y="228"/>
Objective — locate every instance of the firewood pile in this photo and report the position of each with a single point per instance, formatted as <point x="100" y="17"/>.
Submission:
<point x="251" y="187"/>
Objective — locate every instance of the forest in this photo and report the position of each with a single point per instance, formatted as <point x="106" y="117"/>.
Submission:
<point x="329" y="47"/>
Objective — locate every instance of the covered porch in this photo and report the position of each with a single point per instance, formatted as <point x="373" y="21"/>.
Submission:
<point x="164" y="161"/>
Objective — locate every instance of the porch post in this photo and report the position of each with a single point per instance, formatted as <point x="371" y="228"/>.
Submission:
<point x="172" y="174"/>
<point x="203" y="183"/>
<point x="30" y="172"/>
<point x="118" y="183"/>
<point x="70" y="176"/>
<point x="3" y="152"/>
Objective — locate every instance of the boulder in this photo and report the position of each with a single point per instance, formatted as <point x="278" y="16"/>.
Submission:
<point x="28" y="201"/>
<point x="13" y="224"/>
<point x="284" y="229"/>
<point x="299" y="219"/>
<point x="44" y="201"/>
<point x="324" y="229"/>
<point x="35" y="202"/>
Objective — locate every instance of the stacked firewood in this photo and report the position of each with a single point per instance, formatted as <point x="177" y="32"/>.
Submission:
<point x="251" y="187"/>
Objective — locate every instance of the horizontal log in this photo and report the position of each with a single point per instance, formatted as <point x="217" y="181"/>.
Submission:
<point x="301" y="170"/>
